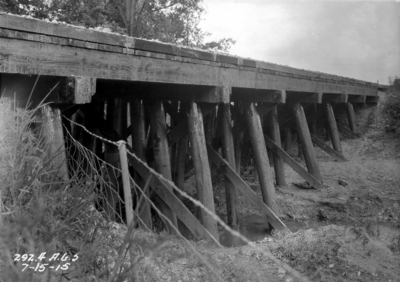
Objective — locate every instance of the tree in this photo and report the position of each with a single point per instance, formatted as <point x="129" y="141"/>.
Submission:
<point x="169" y="21"/>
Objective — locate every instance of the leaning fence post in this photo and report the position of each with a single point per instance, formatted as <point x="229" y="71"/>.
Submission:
<point x="125" y="182"/>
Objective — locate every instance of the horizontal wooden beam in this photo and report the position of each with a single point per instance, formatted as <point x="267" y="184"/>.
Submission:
<point x="356" y="99"/>
<point x="242" y="186"/>
<point x="304" y="97"/>
<point x="31" y="57"/>
<point x="292" y="163"/>
<point x="164" y="91"/>
<point x="258" y="95"/>
<point x="372" y="99"/>
<point x="334" y="98"/>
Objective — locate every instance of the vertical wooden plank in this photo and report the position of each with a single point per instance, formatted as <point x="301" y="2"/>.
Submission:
<point x="314" y="126"/>
<point x="333" y="130"/>
<point x="75" y="129"/>
<point x="201" y="166"/>
<point x="256" y="179"/>
<point x="276" y="137"/>
<point x="218" y="130"/>
<point x="89" y="123"/>
<point x="238" y="136"/>
<point x="138" y="135"/>
<point x="209" y="126"/>
<point x="229" y="155"/>
<point x="111" y="156"/>
<point x="97" y="143"/>
<point x="122" y="117"/>
<point x="261" y="156"/>
<point x="305" y="141"/>
<point x="299" y="149"/>
<point x="181" y="162"/>
<point x="351" y="117"/>
<point x="327" y="134"/>
<point x="288" y="140"/>
<point x="54" y="132"/>
<point x="161" y="155"/>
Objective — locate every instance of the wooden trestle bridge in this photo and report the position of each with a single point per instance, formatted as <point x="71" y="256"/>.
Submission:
<point x="211" y="101"/>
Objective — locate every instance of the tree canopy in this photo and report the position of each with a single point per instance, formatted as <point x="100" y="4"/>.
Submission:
<point x="169" y="21"/>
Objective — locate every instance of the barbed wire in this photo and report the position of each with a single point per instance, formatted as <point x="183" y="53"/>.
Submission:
<point x="197" y="203"/>
<point x="162" y="216"/>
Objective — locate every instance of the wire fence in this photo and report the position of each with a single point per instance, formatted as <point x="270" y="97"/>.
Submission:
<point x="101" y="174"/>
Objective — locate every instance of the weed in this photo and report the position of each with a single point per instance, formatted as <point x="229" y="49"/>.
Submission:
<point x="307" y="249"/>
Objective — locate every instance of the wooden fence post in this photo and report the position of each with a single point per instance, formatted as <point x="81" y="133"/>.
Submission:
<point x="126" y="183"/>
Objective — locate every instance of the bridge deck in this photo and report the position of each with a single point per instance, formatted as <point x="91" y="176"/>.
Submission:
<point x="30" y="46"/>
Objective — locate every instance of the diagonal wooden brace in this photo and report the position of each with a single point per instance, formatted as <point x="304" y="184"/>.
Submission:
<point x="245" y="189"/>
<point x="292" y="163"/>
<point x="332" y="152"/>
<point x="165" y="191"/>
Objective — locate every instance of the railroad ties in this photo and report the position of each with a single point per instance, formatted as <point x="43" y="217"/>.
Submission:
<point x="181" y="110"/>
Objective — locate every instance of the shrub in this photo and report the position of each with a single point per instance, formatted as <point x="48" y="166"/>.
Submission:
<point x="307" y="249"/>
<point x="391" y="107"/>
<point x="41" y="213"/>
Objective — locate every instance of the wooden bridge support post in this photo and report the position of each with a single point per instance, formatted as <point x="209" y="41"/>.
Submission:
<point x="54" y="132"/>
<point x="288" y="140"/>
<point x="327" y="134"/>
<point x="314" y="127"/>
<point x="276" y="137"/>
<point x="299" y="149"/>
<point x="238" y="137"/>
<point x="201" y="167"/>
<point x="351" y="117"/>
<point x="111" y="156"/>
<point x="161" y="156"/>
<point x="333" y="130"/>
<point x="229" y="155"/>
<point x="181" y="161"/>
<point x="209" y="125"/>
<point x="138" y="135"/>
<point x="97" y="143"/>
<point x="305" y="141"/>
<point x="261" y="156"/>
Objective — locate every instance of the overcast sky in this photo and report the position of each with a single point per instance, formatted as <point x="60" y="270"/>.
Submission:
<point x="354" y="39"/>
